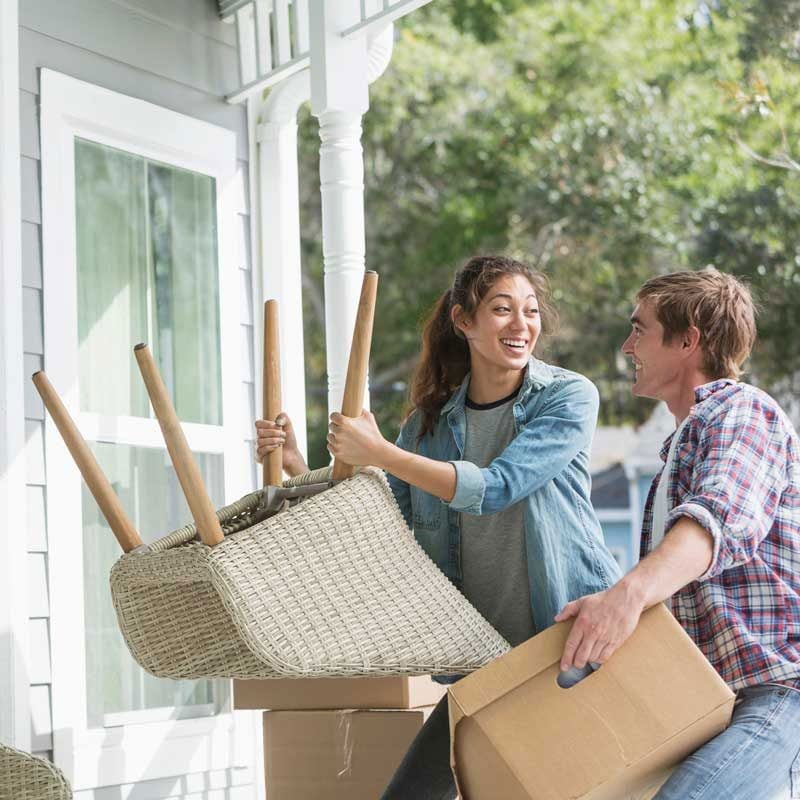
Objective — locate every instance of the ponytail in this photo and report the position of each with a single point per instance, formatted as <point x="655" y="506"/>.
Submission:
<point x="443" y="364"/>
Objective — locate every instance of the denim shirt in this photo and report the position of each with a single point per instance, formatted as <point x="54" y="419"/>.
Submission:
<point x="546" y="467"/>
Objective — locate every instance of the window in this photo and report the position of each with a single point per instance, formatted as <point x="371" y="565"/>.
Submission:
<point x="136" y="230"/>
<point x="146" y="271"/>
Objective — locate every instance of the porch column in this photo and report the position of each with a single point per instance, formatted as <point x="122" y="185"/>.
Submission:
<point x="14" y="683"/>
<point x="279" y="210"/>
<point x="339" y="98"/>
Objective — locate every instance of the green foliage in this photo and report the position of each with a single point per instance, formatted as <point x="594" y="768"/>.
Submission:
<point x="602" y="142"/>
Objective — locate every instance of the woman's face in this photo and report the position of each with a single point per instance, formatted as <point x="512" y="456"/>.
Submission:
<point x="504" y="328"/>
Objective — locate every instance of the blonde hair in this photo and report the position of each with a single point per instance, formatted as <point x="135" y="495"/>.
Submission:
<point x="718" y="305"/>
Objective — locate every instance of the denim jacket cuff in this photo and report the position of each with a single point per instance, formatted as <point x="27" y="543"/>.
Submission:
<point x="470" y="487"/>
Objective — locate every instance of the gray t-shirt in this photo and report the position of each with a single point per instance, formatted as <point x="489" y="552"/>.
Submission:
<point x="494" y="563"/>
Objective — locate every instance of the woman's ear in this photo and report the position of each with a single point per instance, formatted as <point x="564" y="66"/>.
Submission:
<point x="459" y="319"/>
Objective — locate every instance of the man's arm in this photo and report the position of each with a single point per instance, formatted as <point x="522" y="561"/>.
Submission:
<point x="603" y="621"/>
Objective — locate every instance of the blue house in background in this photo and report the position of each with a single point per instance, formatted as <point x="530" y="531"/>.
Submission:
<point x="623" y="464"/>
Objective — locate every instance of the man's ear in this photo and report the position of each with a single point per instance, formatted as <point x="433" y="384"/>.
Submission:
<point x="691" y="339"/>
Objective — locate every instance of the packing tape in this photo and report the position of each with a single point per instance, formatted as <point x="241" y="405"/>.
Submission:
<point x="344" y="741"/>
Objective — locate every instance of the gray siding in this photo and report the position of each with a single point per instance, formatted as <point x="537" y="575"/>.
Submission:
<point x="175" y="54"/>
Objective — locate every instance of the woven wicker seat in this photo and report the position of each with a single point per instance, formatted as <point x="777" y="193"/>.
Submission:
<point x="27" y="777"/>
<point x="333" y="586"/>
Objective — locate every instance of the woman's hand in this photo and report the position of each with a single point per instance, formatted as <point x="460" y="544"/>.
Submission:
<point x="279" y="433"/>
<point x="356" y="440"/>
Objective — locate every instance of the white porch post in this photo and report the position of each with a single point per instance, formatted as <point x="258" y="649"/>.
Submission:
<point x="14" y="688"/>
<point x="279" y="209"/>
<point x="339" y="98"/>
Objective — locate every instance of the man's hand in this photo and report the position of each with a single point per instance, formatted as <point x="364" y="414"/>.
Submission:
<point x="603" y="621"/>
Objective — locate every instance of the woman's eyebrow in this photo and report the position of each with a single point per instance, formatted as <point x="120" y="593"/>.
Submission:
<point x="509" y="296"/>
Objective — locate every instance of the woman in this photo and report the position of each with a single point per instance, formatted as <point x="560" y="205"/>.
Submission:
<point x="491" y="470"/>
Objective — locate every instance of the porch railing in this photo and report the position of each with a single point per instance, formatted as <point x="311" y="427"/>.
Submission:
<point x="273" y="36"/>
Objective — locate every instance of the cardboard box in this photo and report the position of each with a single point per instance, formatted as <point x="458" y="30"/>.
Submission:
<point x="287" y="694"/>
<point x="615" y="735"/>
<point x="335" y="755"/>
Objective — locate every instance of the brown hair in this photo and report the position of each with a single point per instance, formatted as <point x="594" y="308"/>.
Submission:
<point x="718" y="305"/>
<point x="445" y="360"/>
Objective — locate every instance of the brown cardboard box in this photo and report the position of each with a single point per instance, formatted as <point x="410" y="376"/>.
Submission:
<point x="287" y="694"/>
<point x="516" y="734"/>
<point x="335" y="755"/>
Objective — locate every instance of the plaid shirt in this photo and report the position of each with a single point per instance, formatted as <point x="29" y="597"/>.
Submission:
<point x="737" y="473"/>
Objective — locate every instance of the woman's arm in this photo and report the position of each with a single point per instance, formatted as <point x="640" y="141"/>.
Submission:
<point x="542" y="449"/>
<point x="563" y="426"/>
<point x="358" y="441"/>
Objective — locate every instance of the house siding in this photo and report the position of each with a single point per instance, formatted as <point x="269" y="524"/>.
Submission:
<point x="177" y="55"/>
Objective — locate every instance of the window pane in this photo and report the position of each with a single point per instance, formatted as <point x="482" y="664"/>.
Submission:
<point x="147" y="272"/>
<point x="184" y="247"/>
<point x="112" y="278"/>
<point x="146" y="484"/>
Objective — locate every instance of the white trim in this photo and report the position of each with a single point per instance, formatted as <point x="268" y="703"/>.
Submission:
<point x="141" y="432"/>
<point x="389" y="14"/>
<point x="277" y="212"/>
<point x="257" y="86"/>
<point x="70" y="109"/>
<point x="133" y="753"/>
<point x="164" y="714"/>
<point x="14" y="688"/>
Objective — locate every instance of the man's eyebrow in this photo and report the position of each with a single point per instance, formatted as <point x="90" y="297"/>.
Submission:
<point x="637" y="320"/>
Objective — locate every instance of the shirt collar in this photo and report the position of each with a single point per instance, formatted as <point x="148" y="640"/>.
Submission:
<point x="707" y="389"/>
<point x="701" y="393"/>
<point x="537" y="376"/>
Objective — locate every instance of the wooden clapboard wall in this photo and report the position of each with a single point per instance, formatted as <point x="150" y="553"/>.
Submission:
<point x="178" y="55"/>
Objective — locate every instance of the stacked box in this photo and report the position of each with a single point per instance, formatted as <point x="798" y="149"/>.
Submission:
<point x="335" y="755"/>
<point x="288" y="694"/>
<point x="332" y="738"/>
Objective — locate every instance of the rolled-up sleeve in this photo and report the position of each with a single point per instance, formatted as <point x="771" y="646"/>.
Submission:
<point x="562" y="428"/>
<point x="738" y="478"/>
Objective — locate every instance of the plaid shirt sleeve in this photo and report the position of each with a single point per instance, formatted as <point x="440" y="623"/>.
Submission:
<point x="736" y="482"/>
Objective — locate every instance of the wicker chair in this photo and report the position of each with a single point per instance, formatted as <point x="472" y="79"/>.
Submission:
<point x="27" y="777"/>
<point x="333" y="586"/>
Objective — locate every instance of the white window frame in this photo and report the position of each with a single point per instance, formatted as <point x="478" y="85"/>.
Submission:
<point x="73" y="109"/>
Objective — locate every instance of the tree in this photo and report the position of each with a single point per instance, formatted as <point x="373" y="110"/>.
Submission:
<point x="594" y="140"/>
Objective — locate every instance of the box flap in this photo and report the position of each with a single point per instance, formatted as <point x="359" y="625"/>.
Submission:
<point x="506" y="673"/>
<point x="643" y="778"/>
<point x="491" y="775"/>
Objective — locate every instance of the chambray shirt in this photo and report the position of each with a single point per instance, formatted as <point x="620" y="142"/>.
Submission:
<point x="545" y="467"/>
<point x="737" y="473"/>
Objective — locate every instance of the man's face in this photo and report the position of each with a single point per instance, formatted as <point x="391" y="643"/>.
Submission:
<point x="658" y="367"/>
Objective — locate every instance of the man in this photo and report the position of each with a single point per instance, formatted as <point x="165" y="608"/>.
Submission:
<point x="720" y="536"/>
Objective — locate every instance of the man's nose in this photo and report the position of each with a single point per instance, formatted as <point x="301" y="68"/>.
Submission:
<point x="627" y="347"/>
